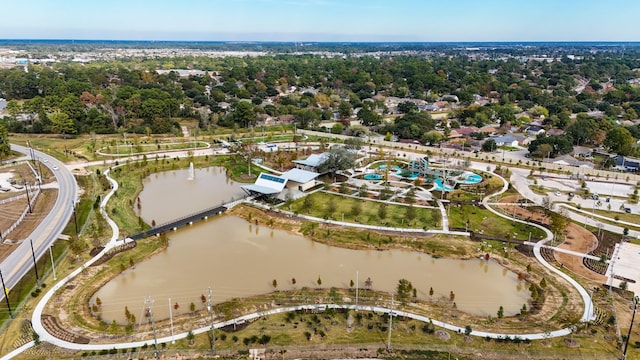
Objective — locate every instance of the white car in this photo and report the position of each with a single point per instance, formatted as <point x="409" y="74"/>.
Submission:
<point x="557" y="193"/>
<point x="45" y="160"/>
<point x="55" y="167"/>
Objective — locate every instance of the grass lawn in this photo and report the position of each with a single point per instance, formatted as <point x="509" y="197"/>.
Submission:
<point x="333" y="207"/>
<point x="58" y="147"/>
<point x="128" y="149"/>
<point x="485" y="222"/>
<point x="622" y="216"/>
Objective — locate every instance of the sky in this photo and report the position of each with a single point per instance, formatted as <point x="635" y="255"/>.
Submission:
<point x="322" y="20"/>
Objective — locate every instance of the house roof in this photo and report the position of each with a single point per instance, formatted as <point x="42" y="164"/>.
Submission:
<point x="299" y="175"/>
<point x="466" y="131"/>
<point x="267" y="184"/>
<point x="488" y="129"/>
<point x="314" y="160"/>
<point x="504" y="139"/>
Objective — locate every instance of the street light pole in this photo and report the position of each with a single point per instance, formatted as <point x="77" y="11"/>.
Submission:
<point x="53" y="264"/>
<point x="626" y="343"/>
<point x="6" y="294"/>
<point x="75" y="219"/>
<point x="35" y="265"/>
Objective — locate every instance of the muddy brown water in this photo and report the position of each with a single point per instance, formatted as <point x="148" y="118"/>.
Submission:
<point x="237" y="259"/>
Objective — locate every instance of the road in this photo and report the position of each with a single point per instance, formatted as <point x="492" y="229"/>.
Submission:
<point x="20" y="261"/>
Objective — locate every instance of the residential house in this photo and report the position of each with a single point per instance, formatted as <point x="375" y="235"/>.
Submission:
<point x="626" y="163"/>
<point x="505" y="140"/>
<point x="534" y="130"/>
<point x="522" y="139"/>
<point x="467" y="131"/>
<point x="488" y="130"/>
<point x="555" y="132"/>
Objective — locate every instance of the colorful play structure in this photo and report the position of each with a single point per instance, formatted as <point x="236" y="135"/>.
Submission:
<point x="420" y="168"/>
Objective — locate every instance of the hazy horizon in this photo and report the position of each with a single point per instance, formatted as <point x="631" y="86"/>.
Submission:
<point x="323" y="21"/>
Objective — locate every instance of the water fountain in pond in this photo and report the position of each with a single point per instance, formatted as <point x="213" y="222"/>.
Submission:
<point x="192" y="172"/>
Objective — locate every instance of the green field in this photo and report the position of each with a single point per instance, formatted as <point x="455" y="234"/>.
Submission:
<point x="334" y="207"/>
<point x="485" y="222"/>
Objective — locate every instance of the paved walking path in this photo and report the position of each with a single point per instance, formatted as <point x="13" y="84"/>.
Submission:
<point x="45" y="336"/>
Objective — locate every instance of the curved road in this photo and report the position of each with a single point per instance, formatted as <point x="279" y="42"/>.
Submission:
<point x="20" y="261"/>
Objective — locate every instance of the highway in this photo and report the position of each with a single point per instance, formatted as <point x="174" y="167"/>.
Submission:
<point x="19" y="263"/>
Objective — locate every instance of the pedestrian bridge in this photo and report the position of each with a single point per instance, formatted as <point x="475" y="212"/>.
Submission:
<point x="185" y="220"/>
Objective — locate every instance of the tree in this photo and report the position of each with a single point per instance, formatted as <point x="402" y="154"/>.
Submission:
<point x="407" y="107"/>
<point x="500" y="312"/>
<point x="337" y="128"/>
<point x="244" y="113"/>
<point x="5" y="149"/>
<point x="369" y="117"/>
<point x="411" y="213"/>
<point x="356" y="209"/>
<point x="274" y="283"/>
<point x="543" y="151"/>
<point x="62" y="124"/>
<point x="345" y="109"/>
<point x="319" y="281"/>
<point x="337" y="158"/>
<point x="382" y="211"/>
<point x="489" y="145"/>
<point x="404" y="290"/>
<point x="307" y="203"/>
<point x="620" y="141"/>
<point x="467" y="330"/>
<point x="431" y="291"/>
<point x="557" y="223"/>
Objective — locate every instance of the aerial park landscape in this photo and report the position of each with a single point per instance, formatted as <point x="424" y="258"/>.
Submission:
<point x="327" y="199"/>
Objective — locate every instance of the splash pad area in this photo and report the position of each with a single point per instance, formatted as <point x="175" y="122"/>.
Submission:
<point x="468" y="178"/>
<point x="373" y="177"/>
<point x="420" y="168"/>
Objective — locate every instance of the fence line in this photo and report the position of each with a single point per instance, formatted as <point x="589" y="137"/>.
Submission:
<point x="24" y="213"/>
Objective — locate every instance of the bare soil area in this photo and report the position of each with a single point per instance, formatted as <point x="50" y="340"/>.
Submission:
<point x="41" y="208"/>
<point x="577" y="238"/>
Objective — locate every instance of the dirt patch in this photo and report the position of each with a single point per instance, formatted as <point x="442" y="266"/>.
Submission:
<point x="443" y="335"/>
<point x="571" y="343"/>
<point x="41" y="208"/>
<point x="581" y="240"/>
<point x="577" y="239"/>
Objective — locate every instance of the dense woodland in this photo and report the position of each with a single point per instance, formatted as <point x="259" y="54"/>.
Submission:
<point x="130" y="96"/>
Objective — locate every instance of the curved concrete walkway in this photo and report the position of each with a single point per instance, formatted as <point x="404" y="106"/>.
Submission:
<point x="45" y="336"/>
<point x="587" y="314"/>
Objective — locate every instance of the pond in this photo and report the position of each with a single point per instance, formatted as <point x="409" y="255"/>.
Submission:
<point x="238" y="259"/>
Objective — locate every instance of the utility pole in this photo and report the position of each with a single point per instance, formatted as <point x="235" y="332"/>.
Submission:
<point x="75" y="219"/>
<point x="357" y="290"/>
<point x="390" y="324"/>
<point x="53" y="264"/>
<point x="173" y="341"/>
<point x="26" y="187"/>
<point x="35" y="265"/>
<point x="210" y="309"/>
<point x="6" y="295"/>
<point x="148" y="303"/>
